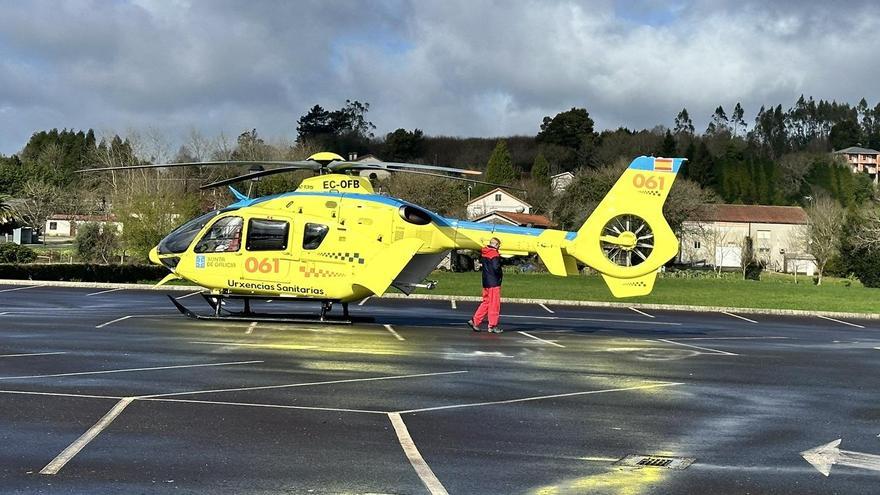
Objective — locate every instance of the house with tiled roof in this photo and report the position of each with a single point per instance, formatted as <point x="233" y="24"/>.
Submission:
<point x="716" y="235"/>
<point x="861" y="160"/>
<point x="516" y="219"/>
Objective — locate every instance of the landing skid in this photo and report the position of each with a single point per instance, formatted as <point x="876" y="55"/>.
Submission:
<point x="221" y="314"/>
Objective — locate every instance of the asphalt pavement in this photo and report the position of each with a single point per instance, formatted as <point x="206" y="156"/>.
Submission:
<point x="113" y="391"/>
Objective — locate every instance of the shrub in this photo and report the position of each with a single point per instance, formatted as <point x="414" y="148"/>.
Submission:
<point x="96" y="243"/>
<point x="81" y="272"/>
<point x="13" y="253"/>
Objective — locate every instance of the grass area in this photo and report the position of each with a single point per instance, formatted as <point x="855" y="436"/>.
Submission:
<point x="773" y="291"/>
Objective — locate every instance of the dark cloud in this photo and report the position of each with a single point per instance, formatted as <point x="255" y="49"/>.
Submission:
<point x="452" y="67"/>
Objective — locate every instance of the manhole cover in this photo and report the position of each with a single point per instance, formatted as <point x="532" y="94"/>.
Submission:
<point x="657" y="461"/>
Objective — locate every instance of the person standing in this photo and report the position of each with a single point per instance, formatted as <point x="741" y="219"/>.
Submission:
<point x="491" y="305"/>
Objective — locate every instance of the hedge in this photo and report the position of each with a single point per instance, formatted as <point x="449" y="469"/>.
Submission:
<point x="82" y="272"/>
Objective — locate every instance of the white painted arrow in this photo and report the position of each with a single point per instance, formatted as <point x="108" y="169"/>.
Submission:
<point x="825" y="456"/>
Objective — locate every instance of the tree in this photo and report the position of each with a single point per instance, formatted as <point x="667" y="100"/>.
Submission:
<point x="568" y="128"/>
<point x="149" y="216"/>
<point x="683" y="123"/>
<point x="668" y="147"/>
<point x="403" y="145"/>
<point x="343" y="130"/>
<point x="541" y="170"/>
<point x="719" y="123"/>
<point x="7" y="213"/>
<point x="845" y="134"/>
<point x="444" y="196"/>
<point x="499" y="169"/>
<point x="736" y="119"/>
<point x="860" y="248"/>
<point x="96" y="243"/>
<point x="822" y="234"/>
<point x="40" y="200"/>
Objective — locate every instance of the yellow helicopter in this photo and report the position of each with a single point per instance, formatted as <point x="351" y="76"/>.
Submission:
<point x="335" y="240"/>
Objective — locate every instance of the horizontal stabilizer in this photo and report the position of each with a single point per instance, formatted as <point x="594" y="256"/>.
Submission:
<point x="631" y="287"/>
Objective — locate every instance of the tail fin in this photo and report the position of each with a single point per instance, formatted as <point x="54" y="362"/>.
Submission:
<point x="626" y="238"/>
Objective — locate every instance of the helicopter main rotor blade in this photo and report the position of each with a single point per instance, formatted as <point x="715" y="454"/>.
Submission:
<point x="311" y="164"/>
<point x="430" y="174"/>
<point x="397" y="165"/>
<point x="262" y="173"/>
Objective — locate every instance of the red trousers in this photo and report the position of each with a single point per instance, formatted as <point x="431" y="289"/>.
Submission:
<point x="491" y="304"/>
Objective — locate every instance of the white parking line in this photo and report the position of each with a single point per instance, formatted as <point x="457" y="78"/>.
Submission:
<point x="59" y="394"/>
<point x="540" y="397"/>
<point x="22" y="288"/>
<point x="364" y="300"/>
<point x="117" y="320"/>
<point x="32" y="354"/>
<point x="67" y="454"/>
<point x="187" y="295"/>
<point x="541" y="340"/>
<point x="128" y="370"/>
<point x="304" y="384"/>
<point x="840" y="321"/>
<point x="598" y="320"/>
<point x="251" y="327"/>
<point x="716" y="351"/>
<point x="257" y="404"/>
<point x="738" y="316"/>
<point x="452" y="303"/>
<point x="641" y="312"/>
<point x="759" y="337"/>
<point x="546" y="308"/>
<point x="105" y="291"/>
<point x="388" y="327"/>
<point x="415" y="458"/>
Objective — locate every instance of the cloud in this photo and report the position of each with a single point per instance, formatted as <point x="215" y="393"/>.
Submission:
<point x="454" y="67"/>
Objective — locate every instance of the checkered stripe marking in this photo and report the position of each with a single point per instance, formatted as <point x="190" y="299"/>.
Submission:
<point x="318" y="273"/>
<point x="350" y="257"/>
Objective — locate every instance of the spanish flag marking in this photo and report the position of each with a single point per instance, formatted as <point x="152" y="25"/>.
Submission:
<point x="663" y="164"/>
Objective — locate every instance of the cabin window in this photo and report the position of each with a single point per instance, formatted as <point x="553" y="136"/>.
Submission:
<point x="223" y="237"/>
<point x="53" y="225"/>
<point x="414" y="215"/>
<point x="180" y="239"/>
<point x="313" y="235"/>
<point x="498" y="197"/>
<point x="267" y="235"/>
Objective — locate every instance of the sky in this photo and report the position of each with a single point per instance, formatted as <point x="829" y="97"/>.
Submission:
<point x="448" y="67"/>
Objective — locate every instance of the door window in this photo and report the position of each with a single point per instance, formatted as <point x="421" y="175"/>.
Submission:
<point x="314" y="234"/>
<point x="223" y="237"/>
<point x="267" y="235"/>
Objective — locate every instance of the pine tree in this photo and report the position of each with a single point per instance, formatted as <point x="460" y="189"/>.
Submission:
<point x="541" y="170"/>
<point x="499" y="169"/>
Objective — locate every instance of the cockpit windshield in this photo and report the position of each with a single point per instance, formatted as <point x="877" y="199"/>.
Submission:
<point x="180" y="239"/>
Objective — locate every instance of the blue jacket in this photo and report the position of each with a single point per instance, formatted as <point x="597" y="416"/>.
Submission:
<point x="491" y="261"/>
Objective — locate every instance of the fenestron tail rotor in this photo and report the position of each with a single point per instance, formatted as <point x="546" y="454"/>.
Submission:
<point x="627" y="240"/>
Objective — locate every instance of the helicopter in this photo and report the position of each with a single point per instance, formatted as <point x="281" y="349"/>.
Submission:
<point x="335" y="240"/>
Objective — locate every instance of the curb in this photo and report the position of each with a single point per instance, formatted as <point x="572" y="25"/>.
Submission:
<point x="431" y="297"/>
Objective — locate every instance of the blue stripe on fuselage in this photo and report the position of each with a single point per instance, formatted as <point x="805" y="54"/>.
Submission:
<point x="394" y="202"/>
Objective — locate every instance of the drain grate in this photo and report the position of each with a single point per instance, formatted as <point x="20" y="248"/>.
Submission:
<point x="655" y="461"/>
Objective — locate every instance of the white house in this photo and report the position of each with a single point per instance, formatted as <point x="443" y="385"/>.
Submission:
<point x="370" y="174"/>
<point x="559" y="182"/>
<point x="715" y="237"/>
<point x="66" y="225"/>
<point x="496" y="200"/>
